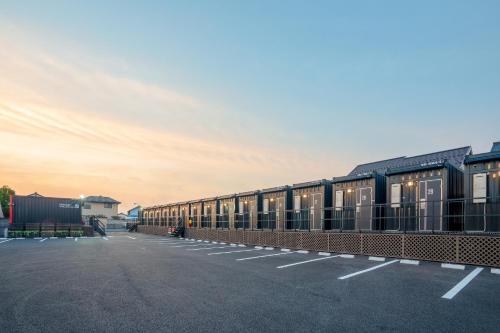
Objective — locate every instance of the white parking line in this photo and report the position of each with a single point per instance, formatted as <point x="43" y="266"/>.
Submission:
<point x="267" y="255"/>
<point x="184" y="245"/>
<point x="213" y="253"/>
<point x="131" y="237"/>
<point x="43" y="240"/>
<point x="495" y="270"/>
<point x="465" y="281"/>
<point x="105" y="238"/>
<point x="376" y="258"/>
<point x="367" y="270"/>
<point x="347" y="256"/>
<point x="76" y="239"/>
<point x="305" y="262"/>
<point x="8" y="240"/>
<point x="207" y="248"/>
<point x="453" y="266"/>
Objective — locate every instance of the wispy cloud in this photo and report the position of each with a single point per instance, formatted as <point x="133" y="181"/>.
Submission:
<point x="72" y="128"/>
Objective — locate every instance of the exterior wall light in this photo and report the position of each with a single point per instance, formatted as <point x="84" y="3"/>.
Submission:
<point x="305" y="196"/>
<point x="410" y="184"/>
<point x="349" y="190"/>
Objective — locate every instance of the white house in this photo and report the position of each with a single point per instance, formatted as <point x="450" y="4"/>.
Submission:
<point x="99" y="206"/>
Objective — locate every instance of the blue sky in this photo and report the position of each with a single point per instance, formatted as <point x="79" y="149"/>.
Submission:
<point x="354" y="81"/>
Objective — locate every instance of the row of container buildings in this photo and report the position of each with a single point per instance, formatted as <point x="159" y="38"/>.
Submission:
<point x="452" y="190"/>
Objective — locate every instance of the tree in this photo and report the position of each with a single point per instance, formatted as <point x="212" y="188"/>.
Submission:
<point x="5" y="193"/>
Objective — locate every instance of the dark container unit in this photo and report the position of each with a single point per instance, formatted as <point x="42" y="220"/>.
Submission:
<point x="184" y="213"/>
<point x="173" y="215"/>
<point x="358" y="202"/>
<point x="276" y="208"/>
<point x="311" y="205"/>
<point x="482" y="191"/>
<point x="164" y="211"/>
<point x="249" y="206"/>
<point x="210" y="213"/>
<point x="359" y="198"/>
<point x="424" y="194"/>
<point x="196" y="209"/>
<point x="36" y="209"/>
<point x="228" y="208"/>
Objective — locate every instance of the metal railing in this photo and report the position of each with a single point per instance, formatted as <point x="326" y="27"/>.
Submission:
<point x="477" y="215"/>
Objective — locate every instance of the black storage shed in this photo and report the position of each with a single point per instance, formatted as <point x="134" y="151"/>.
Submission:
<point x="423" y="194"/>
<point x="359" y="198"/>
<point x="196" y="208"/>
<point x="37" y="209"/>
<point x="482" y="191"/>
<point x="210" y="212"/>
<point x="249" y="206"/>
<point x="228" y="206"/>
<point x="311" y="200"/>
<point x="276" y="211"/>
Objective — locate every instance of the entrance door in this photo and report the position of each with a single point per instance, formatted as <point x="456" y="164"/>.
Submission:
<point x="364" y="208"/>
<point x="430" y="210"/>
<point x="316" y="207"/>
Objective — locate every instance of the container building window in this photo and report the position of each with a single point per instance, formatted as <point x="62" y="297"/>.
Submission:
<point x="108" y="205"/>
<point x="479" y="187"/>
<point x="296" y="203"/>
<point x="339" y="200"/>
<point x="266" y="206"/>
<point x="87" y="206"/>
<point x="396" y="195"/>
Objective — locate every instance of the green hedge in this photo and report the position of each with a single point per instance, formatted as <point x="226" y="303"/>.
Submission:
<point x="44" y="233"/>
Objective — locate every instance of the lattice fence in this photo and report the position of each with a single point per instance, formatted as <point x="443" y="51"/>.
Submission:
<point x="479" y="250"/>
<point x="382" y="245"/>
<point x="475" y="250"/>
<point x="314" y="241"/>
<point x="430" y="247"/>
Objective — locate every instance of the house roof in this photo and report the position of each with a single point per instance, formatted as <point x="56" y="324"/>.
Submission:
<point x="454" y="157"/>
<point x="247" y="193"/>
<point x="309" y="184"/>
<point x="100" y="199"/>
<point x="36" y="194"/>
<point x="378" y="167"/>
<point x="276" y="189"/>
<point x="350" y="178"/>
<point x="484" y="157"/>
<point x="416" y="168"/>
<point x="131" y="209"/>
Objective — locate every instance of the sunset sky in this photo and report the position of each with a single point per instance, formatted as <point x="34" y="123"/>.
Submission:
<point x="153" y="102"/>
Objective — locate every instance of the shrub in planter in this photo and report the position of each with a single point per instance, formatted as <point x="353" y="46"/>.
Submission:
<point x="76" y="233"/>
<point x="47" y="233"/>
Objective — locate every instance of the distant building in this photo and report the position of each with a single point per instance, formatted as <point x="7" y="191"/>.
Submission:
<point x="134" y="213"/>
<point x="100" y="206"/>
<point x="122" y="216"/>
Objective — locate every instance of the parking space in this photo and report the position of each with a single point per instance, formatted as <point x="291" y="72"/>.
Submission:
<point x="228" y="287"/>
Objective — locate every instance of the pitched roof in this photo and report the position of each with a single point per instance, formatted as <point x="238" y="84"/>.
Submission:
<point x="100" y="199"/>
<point x="454" y="157"/>
<point x="492" y="155"/>
<point x="312" y="183"/>
<point x="134" y="208"/>
<point x="378" y="167"/>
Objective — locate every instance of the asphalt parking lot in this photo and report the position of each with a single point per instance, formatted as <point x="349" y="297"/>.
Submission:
<point x="143" y="283"/>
